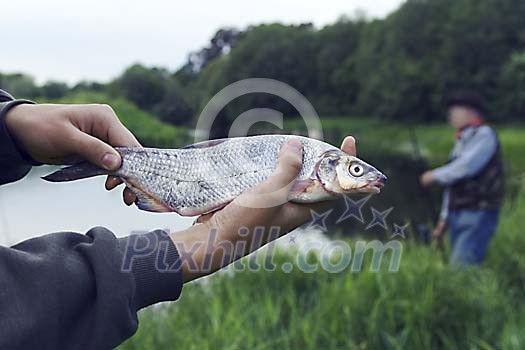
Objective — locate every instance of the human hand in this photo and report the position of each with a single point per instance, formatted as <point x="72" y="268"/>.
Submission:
<point x="440" y="229"/>
<point x="427" y="178"/>
<point x="227" y="222"/>
<point x="54" y="134"/>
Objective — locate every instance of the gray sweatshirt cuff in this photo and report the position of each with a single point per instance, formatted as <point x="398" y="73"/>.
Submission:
<point x="14" y="162"/>
<point x="154" y="261"/>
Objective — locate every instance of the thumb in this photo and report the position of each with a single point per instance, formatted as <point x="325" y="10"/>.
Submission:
<point x="274" y="191"/>
<point x="96" y="151"/>
<point x="289" y="165"/>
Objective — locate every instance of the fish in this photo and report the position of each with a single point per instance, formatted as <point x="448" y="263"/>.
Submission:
<point x="206" y="176"/>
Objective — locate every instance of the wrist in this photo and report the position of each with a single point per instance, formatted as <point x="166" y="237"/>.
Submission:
<point x="16" y="124"/>
<point x="15" y="118"/>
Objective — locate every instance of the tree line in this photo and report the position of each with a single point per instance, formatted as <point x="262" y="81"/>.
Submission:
<point x="396" y="68"/>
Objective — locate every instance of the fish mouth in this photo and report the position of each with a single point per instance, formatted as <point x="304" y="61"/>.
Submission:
<point x="371" y="188"/>
<point x="376" y="185"/>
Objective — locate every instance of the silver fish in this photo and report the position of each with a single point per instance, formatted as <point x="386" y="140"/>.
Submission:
<point x="206" y="176"/>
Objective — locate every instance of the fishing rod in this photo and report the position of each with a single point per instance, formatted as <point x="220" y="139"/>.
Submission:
<point x="423" y="228"/>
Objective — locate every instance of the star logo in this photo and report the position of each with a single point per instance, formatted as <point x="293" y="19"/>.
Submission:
<point x="399" y="231"/>
<point x="379" y="218"/>
<point x="319" y="220"/>
<point x="353" y="209"/>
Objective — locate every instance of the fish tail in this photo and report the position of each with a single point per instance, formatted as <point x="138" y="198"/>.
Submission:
<point x="78" y="171"/>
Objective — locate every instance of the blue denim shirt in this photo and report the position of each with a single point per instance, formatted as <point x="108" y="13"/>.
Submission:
<point x="471" y="153"/>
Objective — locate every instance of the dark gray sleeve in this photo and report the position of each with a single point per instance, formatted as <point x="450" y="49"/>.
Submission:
<point x="73" y="291"/>
<point x="14" y="164"/>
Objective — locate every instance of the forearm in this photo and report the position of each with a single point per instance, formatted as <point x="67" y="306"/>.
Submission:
<point x="205" y="250"/>
<point x="234" y="233"/>
<point x="14" y="164"/>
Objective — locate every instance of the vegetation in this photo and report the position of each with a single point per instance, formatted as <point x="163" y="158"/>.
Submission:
<point x="147" y="128"/>
<point x="397" y="68"/>
<point x="434" y="141"/>
<point x="426" y="305"/>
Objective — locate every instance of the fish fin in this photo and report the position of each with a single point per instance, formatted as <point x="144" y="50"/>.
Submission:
<point x="309" y="191"/>
<point x="146" y="201"/>
<point x="74" y="172"/>
<point x="205" y="144"/>
<point x="200" y="212"/>
<point x="302" y="186"/>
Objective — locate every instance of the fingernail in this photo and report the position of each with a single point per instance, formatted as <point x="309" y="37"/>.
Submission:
<point x="295" y="146"/>
<point x="110" y="161"/>
<point x="350" y="139"/>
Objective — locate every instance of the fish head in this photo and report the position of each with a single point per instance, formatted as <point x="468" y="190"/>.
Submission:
<point x="342" y="173"/>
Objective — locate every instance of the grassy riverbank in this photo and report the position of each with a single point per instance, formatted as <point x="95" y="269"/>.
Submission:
<point x="425" y="305"/>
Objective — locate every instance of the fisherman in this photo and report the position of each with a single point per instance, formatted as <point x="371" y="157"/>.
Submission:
<point x="73" y="291"/>
<point x="473" y="181"/>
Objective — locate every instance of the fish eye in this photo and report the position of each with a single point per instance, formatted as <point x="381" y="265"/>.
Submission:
<point x="356" y="169"/>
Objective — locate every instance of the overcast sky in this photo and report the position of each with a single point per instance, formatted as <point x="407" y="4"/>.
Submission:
<point x="96" y="39"/>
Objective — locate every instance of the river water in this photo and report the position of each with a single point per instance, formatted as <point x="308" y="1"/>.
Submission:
<point x="32" y="207"/>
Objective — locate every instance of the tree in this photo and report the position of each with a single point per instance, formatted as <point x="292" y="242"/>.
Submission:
<point x="90" y="86"/>
<point x="19" y="85"/>
<point x="54" y="90"/>
<point x="175" y="107"/>
<point x="143" y="86"/>
<point x="221" y="43"/>
<point x="512" y="87"/>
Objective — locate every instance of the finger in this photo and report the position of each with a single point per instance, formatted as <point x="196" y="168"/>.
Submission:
<point x="348" y="146"/>
<point x="128" y="196"/>
<point x="94" y="150"/>
<point x="274" y="191"/>
<point x="107" y="126"/>
<point x="112" y="182"/>
<point x="119" y="135"/>
<point x="258" y="206"/>
<point x="288" y="166"/>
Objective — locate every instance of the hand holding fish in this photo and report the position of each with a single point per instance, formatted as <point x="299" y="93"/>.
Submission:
<point x="52" y="134"/>
<point x="251" y="183"/>
<point x="227" y="222"/>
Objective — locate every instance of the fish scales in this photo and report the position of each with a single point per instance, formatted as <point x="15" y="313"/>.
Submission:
<point x="211" y="176"/>
<point x="206" y="176"/>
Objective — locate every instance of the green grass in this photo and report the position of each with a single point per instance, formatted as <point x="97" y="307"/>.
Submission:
<point x="426" y="305"/>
